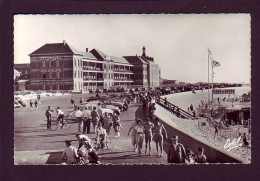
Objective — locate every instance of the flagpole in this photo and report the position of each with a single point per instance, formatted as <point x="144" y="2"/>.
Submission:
<point x="212" y="81"/>
<point x="208" y="79"/>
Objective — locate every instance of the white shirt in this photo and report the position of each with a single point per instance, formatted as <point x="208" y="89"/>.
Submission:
<point x="101" y="131"/>
<point x="86" y="114"/>
<point x="78" y="114"/>
<point x="59" y="112"/>
<point x="139" y="129"/>
<point x="70" y="153"/>
<point x="86" y="138"/>
<point x="99" y="110"/>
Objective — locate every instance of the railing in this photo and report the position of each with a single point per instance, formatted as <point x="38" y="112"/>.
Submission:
<point x="123" y="80"/>
<point x="174" y="109"/>
<point x="93" y="79"/>
<point x="123" y="70"/>
<point x="92" y="68"/>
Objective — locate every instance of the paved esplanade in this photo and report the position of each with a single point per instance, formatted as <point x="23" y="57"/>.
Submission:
<point x="34" y="144"/>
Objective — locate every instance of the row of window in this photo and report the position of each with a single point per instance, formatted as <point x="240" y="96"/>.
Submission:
<point x="51" y="75"/>
<point x="50" y="64"/>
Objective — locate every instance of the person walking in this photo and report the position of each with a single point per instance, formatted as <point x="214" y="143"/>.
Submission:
<point x="144" y="103"/>
<point x="31" y="105"/>
<point x="139" y="128"/>
<point x="151" y="111"/>
<point x="36" y="104"/>
<point x="158" y="131"/>
<point x="200" y="157"/>
<point x="178" y="112"/>
<point x="48" y="114"/>
<point x="99" y="110"/>
<point x="60" y="116"/>
<point x="216" y="128"/>
<point x="176" y="152"/>
<point x="116" y="124"/>
<point x="101" y="135"/>
<point x="70" y="153"/>
<point x="72" y="101"/>
<point x="132" y="128"/>
<point x="86" y="114"/>
<point x="95" y="118"/>
<point x="165" y="101"/>
<point x="81" y="100"/>
<point x="107" y="120"/>
<point x="148" y="127"/>
<point x="39" y="98"/>
<point x="191" y="108"/>
<point x="78" y="116"/>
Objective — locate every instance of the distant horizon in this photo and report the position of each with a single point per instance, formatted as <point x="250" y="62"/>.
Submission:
<point x="177" y="42"/>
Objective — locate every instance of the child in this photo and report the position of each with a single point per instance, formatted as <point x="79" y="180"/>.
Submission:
<point x="200" y="157"/>
<point x="116" y="124"/>
<point x="189" y="159"/>
<point x="101" y="135"/>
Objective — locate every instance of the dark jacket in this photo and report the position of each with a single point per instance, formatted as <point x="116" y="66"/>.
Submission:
<point x="176" y="155"/>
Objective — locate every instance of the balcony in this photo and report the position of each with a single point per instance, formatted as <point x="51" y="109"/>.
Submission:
<point x="92" y="78"/>
<point x="92" y="68"/>
<point x="123" y="80"/>
<point x="122" y="70"/>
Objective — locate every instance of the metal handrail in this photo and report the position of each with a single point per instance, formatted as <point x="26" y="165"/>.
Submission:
<point x="171" y="107"/>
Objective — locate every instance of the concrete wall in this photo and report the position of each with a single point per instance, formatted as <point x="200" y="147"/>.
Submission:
<point x="213" y="154"/>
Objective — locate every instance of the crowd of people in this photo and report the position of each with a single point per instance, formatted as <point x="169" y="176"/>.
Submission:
<point x="143" y="133"/>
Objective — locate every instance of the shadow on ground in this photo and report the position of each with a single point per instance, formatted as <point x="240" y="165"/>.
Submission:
<point x="54" y="158"/>
<point x="126" y="157"/>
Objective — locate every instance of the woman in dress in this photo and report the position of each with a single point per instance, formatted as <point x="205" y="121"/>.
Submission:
<point x="139" y="136"/>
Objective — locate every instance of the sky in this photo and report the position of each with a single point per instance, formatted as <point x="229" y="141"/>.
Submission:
<point x="178" y="42"/>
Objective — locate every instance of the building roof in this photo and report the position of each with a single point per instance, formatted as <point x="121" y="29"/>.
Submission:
<point x="88" y="55"/>
<point x="22" y="65"/>
<point x="61" y="48"/>
<point x="135" y="60"/>
<point x="58" y="48"/>
<point x="148" y="60"/>
<point x="99" y="54"/>
<point x="119" y="60"/>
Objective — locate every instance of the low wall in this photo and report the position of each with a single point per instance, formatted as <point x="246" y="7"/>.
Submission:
<point x="214" y="155"/>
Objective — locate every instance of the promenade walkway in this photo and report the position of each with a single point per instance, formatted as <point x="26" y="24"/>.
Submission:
<point x="35" y="145"/>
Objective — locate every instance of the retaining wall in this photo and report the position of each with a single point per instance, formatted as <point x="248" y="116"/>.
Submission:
<point x="214" y="154"/>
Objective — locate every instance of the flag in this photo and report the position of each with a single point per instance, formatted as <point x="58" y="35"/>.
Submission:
<point x="215" y="64"/>
<point x="209" y="51"/>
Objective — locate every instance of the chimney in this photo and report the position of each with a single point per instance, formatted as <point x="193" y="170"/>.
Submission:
<point x="86" y="49"/>
<point x="144" y="55"/>
<point x="64" y="42"/>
